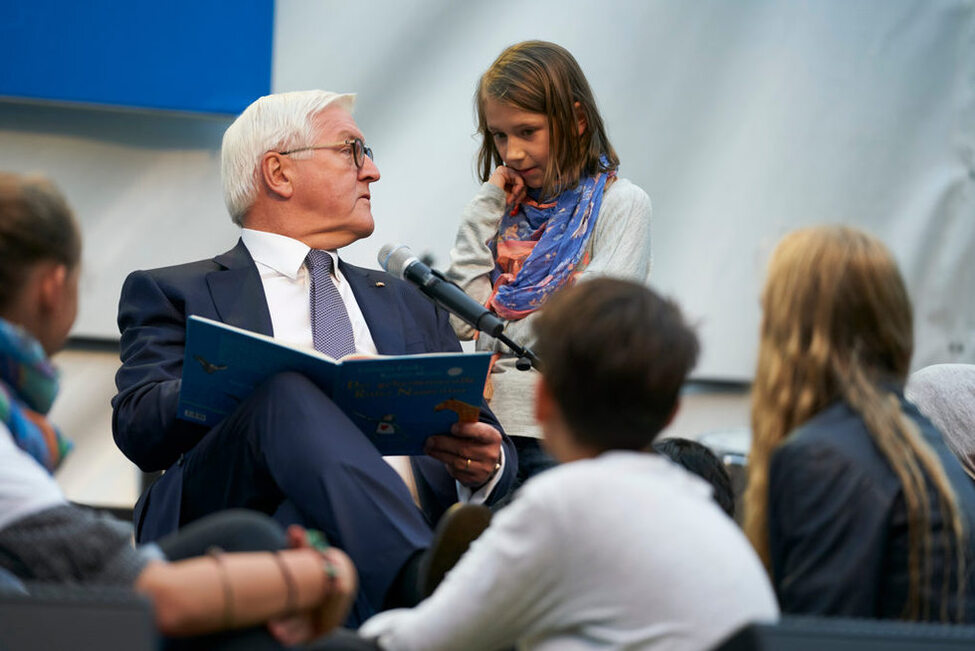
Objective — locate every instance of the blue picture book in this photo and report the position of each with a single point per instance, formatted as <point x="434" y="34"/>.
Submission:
<point x="397" y="401"/>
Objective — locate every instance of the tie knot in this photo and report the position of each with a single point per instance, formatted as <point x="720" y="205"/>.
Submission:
<point x="319" y="260"/>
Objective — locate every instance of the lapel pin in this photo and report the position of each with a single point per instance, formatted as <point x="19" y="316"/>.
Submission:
<point x="380" y="283"/>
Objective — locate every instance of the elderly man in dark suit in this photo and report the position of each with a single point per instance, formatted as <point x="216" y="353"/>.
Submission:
<point x="296" y="174"/>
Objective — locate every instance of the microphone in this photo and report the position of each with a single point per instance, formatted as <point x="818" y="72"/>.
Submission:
<point x="400" y="261"/>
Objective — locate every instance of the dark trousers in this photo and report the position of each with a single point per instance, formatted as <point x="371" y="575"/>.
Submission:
<point x="231" y="531"/>
<point x="532" y="458"/>
<point x="289" y="451"/>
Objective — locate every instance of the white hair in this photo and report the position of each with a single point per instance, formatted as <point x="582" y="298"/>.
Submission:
<point x="945" y="393"/>
<point x="277" y="122"/>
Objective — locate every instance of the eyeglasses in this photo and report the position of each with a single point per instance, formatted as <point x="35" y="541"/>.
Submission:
<point x="359" y="150"/>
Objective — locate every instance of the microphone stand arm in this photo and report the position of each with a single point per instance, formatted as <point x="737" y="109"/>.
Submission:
<point x="527" y="359"/>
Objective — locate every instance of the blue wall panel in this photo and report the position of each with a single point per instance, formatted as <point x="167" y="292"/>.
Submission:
<point x="207" y="56"/>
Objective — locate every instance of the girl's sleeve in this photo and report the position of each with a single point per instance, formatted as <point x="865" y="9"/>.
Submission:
<point x="471" y="261"/>
<point x="621" y="241"/>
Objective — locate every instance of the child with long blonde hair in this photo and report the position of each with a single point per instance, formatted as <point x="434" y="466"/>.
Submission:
<point x="552" y="210"/>
<point x="854" y="502"/>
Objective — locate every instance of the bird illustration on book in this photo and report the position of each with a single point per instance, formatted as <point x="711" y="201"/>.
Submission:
<point x="466" y="412"/>
<point x="209" y="367"/>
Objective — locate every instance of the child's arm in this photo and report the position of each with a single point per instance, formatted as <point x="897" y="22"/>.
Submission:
<point x="190" y="597"/>
<point x="621" y="239"/>
<point x="471" y="261"/>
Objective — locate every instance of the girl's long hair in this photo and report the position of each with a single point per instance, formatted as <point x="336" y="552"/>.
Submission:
<point x="837" y="325"/>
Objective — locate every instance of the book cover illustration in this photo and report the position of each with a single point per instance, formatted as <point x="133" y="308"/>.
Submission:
<point x="396" y="401"/>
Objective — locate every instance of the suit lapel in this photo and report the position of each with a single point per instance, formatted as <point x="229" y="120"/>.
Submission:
<point x="237" y="291"/>
<point x="378" y="307"/>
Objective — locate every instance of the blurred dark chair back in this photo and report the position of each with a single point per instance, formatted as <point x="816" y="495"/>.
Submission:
<point x="55" y="617"/>
<point x="838" y="634"/>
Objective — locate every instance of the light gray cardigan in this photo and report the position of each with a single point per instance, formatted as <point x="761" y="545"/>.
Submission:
<point x="619" y="247"/>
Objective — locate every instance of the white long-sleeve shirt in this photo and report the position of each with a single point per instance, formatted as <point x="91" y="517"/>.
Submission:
<point x="624" y="551"/>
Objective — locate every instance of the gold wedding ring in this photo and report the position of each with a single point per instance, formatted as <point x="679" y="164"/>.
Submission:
<point x="468" y="466"/>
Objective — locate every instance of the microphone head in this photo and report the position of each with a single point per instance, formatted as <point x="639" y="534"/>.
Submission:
<point x="395" y="258"/>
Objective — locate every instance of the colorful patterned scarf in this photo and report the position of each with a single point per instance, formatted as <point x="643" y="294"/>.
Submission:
<point x="28" y="386"/>
<point x="540" y="245"/>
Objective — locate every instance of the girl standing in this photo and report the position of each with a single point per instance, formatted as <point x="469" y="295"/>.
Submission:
<point x="552" y="210"/>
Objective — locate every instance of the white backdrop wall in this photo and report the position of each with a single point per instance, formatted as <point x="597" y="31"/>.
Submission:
<point x="742" y="119"/>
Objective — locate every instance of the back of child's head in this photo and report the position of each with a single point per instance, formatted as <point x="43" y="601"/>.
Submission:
<point x="542" y="77"/>
<point x="698" y="459"/>
<point x="614" y="357"/>
<point x="36" y="225"/>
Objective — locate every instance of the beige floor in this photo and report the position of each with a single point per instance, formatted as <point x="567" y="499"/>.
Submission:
<point x="97" y="473"/>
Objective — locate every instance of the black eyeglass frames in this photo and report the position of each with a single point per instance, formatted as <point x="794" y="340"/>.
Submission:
<point x="359" y="150"/>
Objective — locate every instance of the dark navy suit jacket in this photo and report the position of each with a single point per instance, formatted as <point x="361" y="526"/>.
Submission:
<point x="152" y="317"/>
<point x="838" y="525"/>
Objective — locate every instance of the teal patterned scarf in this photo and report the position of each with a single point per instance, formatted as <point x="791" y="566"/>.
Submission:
<point x="28" y="386"/>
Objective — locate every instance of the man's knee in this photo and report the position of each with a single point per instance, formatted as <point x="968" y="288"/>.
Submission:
<point x="287" y="386"/>
<point x="289" y="396"/>
<point x="291" y="409"/>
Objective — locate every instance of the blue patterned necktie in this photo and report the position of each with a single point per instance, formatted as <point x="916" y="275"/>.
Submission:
<point x="331" y="328"/>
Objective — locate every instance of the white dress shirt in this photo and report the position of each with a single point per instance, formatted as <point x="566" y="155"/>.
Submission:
<point x="624" y="551"/>
<point x="280" y="262"/>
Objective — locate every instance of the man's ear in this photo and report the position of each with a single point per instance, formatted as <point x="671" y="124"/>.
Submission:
<point x="277" y="172"/>
<point x="544" y="403"/>
<point x="673" y="414"/>
<point x="580" y="118"/>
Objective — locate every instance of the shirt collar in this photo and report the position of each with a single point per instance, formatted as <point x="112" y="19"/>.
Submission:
<point x="283" y="254"/>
